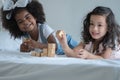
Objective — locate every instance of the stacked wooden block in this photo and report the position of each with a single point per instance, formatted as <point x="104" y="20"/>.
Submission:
<point x="47" y="52"/>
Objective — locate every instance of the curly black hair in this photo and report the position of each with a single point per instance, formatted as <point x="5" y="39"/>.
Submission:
<point x="34" y="7"/>
<point x="113" y="33"/>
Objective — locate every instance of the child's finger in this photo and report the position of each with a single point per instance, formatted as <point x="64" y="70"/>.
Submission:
<point x="81" y="50"/>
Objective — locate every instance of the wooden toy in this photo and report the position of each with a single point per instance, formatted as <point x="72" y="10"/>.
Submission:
<point x="33" y="53"/>
<point x="51" y="49"/>
<point x="48" y="52"/>
<point x="44" y="53"/>
<point x="38" y="54"/>
<point x="59" y="33"/>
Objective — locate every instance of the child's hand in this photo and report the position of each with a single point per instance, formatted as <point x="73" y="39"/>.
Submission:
<point x="24" y="47"/>
<point x="28" y="45"/>
<point x="61" y="35"/>
<point x="84" y="54"/>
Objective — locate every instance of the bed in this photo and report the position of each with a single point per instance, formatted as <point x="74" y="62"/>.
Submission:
<point x="15" y="65"/>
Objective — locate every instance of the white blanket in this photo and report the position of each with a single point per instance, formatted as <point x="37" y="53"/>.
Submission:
<point x="15" y="65"/>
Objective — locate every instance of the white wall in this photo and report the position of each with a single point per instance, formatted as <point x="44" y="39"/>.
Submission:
<point x="0" y="16"/>
<point x="68" y="14"/>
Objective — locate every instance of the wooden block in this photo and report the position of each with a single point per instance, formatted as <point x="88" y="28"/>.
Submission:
<point x="60" y="33"/>
<point x="43" y="54"/>
<point x="51" y="46"/>
<point x="51" y="52"/>
<point x="51" y="55"/>
<point x="45" y="50"/>
<point x="38" y="54"/>
<point x="51" y="49"/>
<point x="33" y="53"/>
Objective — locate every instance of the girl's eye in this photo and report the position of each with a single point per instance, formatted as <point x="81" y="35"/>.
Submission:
<point x="27" y="17"/>
<point x="100" y="25"/>
<point x="91" y="23"/>
<point x="19" y="22"/>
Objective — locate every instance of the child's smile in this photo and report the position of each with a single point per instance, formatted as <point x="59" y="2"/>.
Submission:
<point x="98" y="27"/>
<point x="25" y="21"/>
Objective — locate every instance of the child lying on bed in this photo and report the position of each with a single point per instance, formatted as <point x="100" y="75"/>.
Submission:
<point x="26" y="18"/>
<point x="101" y="36"/>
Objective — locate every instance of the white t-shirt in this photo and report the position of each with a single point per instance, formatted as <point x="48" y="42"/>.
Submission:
<point x="47" y="31"/>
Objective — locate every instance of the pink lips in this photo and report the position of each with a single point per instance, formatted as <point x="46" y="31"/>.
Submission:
<point x="95" y="34"/>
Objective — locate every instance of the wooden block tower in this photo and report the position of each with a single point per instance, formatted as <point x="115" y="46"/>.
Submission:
<point x="51" y="50"/>
<point x="48" y="52"/>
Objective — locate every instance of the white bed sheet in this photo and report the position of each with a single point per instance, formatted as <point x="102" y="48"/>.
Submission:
<point x="21" y="57"/>
<point x="15" y="65"/>
<point x="9" y="43"/>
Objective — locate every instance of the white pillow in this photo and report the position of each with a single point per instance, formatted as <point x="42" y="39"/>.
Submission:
<point x="8" y="43"/>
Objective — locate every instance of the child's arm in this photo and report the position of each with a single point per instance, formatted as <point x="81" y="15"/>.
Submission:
<point x="30" y="44"/>
<point x="74" y="52"/>
<point x="87" y="55"/>
<point x="80" y="46"/>
<point x="61" y="35"/>
<point x="51" y="39"/>
<point x="84" y="54"/>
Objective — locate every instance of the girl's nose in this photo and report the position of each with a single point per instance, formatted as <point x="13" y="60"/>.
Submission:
<point x="25" y="22"/>
<point x="95" y="28"/>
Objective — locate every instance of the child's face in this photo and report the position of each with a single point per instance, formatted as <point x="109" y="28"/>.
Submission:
<point x="98" y="26"/>
<point x="25" y="21"/>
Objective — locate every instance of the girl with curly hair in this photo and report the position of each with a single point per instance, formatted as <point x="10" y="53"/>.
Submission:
<point x="26" y="19"/>
<point x="101" y="36"/>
